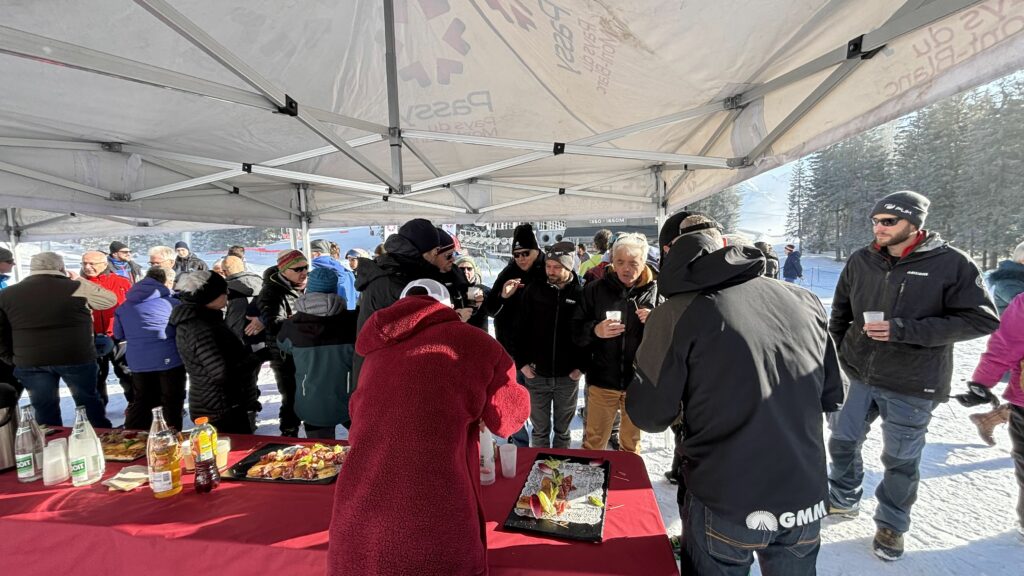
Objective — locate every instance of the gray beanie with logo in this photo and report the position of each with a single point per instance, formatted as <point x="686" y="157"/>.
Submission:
<point x="910" y="206"/>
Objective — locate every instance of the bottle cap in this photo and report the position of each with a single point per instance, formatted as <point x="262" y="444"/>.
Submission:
<point x="201" y="420"/>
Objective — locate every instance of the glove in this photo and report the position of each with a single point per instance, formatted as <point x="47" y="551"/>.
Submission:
<point x="976" y="395"/>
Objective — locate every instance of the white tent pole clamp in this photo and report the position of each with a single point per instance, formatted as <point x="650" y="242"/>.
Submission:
<point x="286" y="104"/>
<point x="50" y="179"/>
<point x="43" y="49"/>
<point x="394" y="113"/>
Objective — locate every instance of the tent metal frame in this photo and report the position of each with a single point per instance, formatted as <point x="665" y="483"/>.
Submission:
<point x="844" y="60"/>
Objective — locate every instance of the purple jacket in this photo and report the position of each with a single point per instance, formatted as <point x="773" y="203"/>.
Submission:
<point x="1005" y="351"/>
<point x="142" y="321"/>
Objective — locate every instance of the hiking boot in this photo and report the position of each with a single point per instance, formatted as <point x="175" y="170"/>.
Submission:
<point x="671" y="477"/>
<point x="613" y="442"/>
<point x="987" y="422"/>
<point x="848" y="512"/>
<point x="888" y="544"/>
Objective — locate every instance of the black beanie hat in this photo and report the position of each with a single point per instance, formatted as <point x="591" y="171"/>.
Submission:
<point x="524" y="239"/>
<point x="422" y="233"/>
<point x="213" y="286"/>
<point x="182" y="244"/>
<point x="910" y="206"/>
<point x="670" y="229"/>
<point x="116" y="246"/>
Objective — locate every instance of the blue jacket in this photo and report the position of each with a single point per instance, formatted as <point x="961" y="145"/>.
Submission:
<point x="142" y="321"/>
<point x="346" y="279"/>
<point x="3" y="281"/>
<point x="792" y="268"/>
<point x="1006" y="282"/>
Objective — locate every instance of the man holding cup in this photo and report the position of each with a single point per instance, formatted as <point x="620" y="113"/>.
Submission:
<point x="900" y="305"/>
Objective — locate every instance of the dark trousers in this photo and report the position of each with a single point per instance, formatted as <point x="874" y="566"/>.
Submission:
<point x="151" y="389"/>
<point x="103" y="367"/>
<point x="552" y="406"/>
<point x="233" y="422"/>
<point x="1017" y="438"/>
<point x="313" y="431"/>
<point x="7" y="377"/>
<point x="713" y="546"/>
<point x="284" y="373"/>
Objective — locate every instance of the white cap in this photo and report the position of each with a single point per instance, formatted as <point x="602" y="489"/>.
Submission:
<point x="434" y="289"/>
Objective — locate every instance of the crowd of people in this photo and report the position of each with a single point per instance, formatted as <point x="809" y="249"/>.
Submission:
<point x="694" y="330"/>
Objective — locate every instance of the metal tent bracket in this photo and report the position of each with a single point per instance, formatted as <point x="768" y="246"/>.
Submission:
<point x="291" y="107"/>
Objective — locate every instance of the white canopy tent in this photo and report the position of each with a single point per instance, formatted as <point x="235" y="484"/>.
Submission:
<point x="325" y="113"/>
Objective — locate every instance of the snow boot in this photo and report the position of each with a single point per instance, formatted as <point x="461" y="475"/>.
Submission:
<point x="888" y="544"/>
<point x="846" y="512"/>
<point x="987" y="422"/>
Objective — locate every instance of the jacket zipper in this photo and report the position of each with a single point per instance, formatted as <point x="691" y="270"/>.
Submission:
<point x="622" y="343"/>
<point x="554" y="332"/>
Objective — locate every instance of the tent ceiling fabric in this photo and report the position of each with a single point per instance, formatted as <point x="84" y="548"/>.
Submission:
<point x="652" y="99"/>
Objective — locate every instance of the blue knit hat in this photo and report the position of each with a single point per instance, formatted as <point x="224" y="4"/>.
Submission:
<point x="323" y="280"/>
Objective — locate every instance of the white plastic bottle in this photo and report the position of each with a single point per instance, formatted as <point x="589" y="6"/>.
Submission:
<point x="486" y="457"/>
<point x="85" y="453"/>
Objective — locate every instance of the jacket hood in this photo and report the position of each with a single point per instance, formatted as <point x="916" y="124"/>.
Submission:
<point x="328" y="262"/>
<point x="188" y="311"/>
<point x="397" y="245"/>
<point x="1007" y="270"/>
<point x="146" y="289"/>
<point x="401" y="321"/>
<point x="320" y="304"/>
<point x="695" y="264"/>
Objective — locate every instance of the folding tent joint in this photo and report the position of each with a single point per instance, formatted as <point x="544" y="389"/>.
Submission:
<point x="559" y="148"/>
<point x="247" y="168"/>
<point x="112" y="146"/>
<point x="855" y="49"/>
<point x="120" y="197"/>
<point x="384" y="198"/>
<point x="235" y="190"/>
<point x="739" y="162"/>
<point x="291" y="107"/>
<point x="561" y="191"/>
<point x="733" y="102"/>
<point x="395" y="136"/>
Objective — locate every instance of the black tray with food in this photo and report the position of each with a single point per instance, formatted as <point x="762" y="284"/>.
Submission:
<point x="564" y="497"/>
<point x="290" y="463"/>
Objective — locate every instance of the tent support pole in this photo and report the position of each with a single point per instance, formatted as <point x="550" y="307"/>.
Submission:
<point x="291" y="238"/>
<point x="394" y="112"/>
<point x="12" y="237"/>
<point x="659" y="183"/>
<point x="304" y="208"/>
<point x="177" y="21"/>
<point x="50" y="179"/>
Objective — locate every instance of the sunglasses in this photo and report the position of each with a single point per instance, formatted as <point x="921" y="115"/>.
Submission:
<point x="465" y="267"/>
<point x="887" y="222"/>
<point x="522" y="254"/>
<point x="300" y="269"/>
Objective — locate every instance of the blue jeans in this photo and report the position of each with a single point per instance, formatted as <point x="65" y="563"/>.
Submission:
<point x="43" y="385"/>
<point x="714" y="546"/>
<point x="522" y="436"/>
<point x="905" y="421"/>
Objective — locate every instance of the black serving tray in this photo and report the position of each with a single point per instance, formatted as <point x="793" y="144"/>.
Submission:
<point x="584" y="532"/>
<point x="237" y="472"/>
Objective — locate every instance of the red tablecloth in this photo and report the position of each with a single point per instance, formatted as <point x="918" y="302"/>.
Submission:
<point x="251" y="528"/>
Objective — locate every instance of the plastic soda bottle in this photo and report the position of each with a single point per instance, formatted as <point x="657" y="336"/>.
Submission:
<point x="28" y="447"/>
<point x="486" y="457"/>
<point x="204" y="451"/>
<point x="163" y="456"/>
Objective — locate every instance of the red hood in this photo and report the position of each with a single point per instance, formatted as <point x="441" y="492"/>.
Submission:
<point x="401" y="321"/>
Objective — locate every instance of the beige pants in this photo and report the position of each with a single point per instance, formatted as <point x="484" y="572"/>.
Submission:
<point x="602" y="404"/>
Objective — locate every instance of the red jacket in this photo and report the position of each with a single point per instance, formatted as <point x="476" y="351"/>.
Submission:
<point x="408" y="495"/>
<point x="103" y="320"/>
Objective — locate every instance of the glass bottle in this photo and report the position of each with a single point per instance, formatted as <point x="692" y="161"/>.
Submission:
<point x="163" y="457"/>
<point x="28" y="447"/>
<point x="85" y="453"/>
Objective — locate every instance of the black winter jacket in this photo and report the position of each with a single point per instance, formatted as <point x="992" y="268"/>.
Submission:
<point x="792" y="268"/>
<point x="479" y="317"/>
<point x="243" y="290"/>
<point x="610" y="360"/>
<point x="747" y="363"/>
<point x="191" y="263"/>
<point x="506" y="311"/>
<point x="277" y="304"/>
<point x="380" y="281"/>
<point x="932" y="297"/>
<point x="219" y="366"/>
<point x="545" y="329"/>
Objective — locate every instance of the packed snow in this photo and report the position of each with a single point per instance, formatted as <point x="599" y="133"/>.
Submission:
<point x="963" y="522"/>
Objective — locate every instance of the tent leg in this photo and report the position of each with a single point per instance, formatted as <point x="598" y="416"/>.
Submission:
<point x="304" y="208"/>
<point x="659" y="183"/>
<point x="12" y="236"/>
<point x="394" y="113"/>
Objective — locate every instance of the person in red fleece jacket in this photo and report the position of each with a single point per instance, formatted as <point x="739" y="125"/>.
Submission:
<point x="408" y="497"/>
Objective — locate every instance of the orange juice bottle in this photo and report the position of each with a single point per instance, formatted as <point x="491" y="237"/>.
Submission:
<point x="163" y="457"/>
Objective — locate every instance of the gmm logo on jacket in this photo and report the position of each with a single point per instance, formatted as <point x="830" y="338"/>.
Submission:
<point x="763" y="520"/>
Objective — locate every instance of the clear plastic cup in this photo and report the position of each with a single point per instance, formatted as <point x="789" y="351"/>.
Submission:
<point x="186" y="456"/>
<point x="223" y="448"/>
<point x="55" y="462"/>
<point x="874" y="316"/>
<point x="507" y="455"/>
<point x="613" y="315"/>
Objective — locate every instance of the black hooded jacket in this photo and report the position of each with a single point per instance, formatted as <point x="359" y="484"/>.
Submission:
<point x="276" y="303"/>
<point x="380" y="281"/>
<point x="747" y="363"/>
<point x="932" y="297"/>
<point x="219" y="366"/>
<point x="610" y="360"/>
<point x="545" y="329"/>
<point x="243" y="289"/>
<point x="506" y="311"/>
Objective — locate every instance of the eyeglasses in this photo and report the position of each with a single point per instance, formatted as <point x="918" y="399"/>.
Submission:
<point x="521" y="254"/>
<point x="300" y="269"/>
<point x="887" y="222"/>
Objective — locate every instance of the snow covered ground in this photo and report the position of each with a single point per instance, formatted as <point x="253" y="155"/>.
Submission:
<point x="963" y="522"/>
